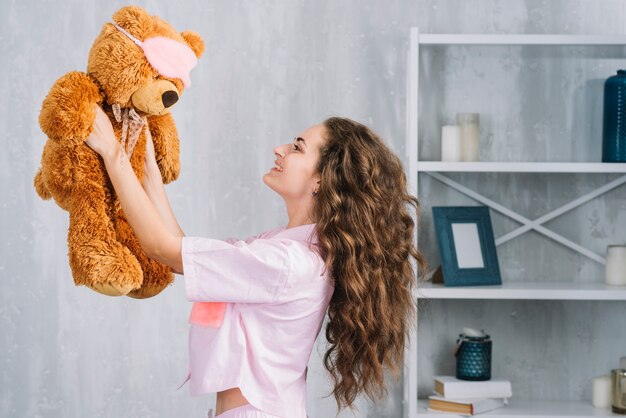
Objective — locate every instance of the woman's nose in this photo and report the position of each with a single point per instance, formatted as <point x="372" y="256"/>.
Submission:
<point x="279" y="151"/>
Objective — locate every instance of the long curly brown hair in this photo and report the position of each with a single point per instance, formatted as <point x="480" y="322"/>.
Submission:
<point x="365" y="232"/>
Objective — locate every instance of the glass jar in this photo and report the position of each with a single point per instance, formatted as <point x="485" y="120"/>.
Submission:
<point x="614" y="123"/>
<point x="473" y="357"/>
<point x="618" y="391"/>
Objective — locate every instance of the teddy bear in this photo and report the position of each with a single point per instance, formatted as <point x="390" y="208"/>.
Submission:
<point x="138" y="67"/>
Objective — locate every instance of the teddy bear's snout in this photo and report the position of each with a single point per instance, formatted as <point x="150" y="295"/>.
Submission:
<point x="156" y="97"/>
<point x="169" y="98"/>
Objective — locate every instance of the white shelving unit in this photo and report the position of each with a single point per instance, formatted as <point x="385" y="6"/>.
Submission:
<point x="527" y="290"/>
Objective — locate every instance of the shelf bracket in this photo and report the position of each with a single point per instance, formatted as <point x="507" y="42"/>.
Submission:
<point x="528" y="224"/>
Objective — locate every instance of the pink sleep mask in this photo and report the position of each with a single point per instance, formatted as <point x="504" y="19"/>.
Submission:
<point x="168" y="57"/>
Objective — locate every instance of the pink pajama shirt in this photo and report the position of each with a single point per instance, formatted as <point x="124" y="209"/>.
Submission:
<point x="277" y="292"/>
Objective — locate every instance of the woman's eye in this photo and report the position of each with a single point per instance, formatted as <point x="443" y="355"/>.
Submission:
<point x="296" y="148"/>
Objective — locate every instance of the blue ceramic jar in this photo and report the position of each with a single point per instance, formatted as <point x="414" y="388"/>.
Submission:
<point x="473" y="358"/>
<point x="614" y="124"/>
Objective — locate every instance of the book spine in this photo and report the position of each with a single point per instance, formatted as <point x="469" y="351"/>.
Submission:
<point x="486" y="405"/>
<point x="464" y="392"/>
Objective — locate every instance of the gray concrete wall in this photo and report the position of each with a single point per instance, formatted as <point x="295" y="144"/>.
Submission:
<point x="270" y="70"/>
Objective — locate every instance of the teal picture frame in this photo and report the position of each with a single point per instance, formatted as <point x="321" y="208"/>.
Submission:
<point x="466" y="246"/>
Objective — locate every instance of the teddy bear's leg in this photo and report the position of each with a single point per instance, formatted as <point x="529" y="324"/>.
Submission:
<point x="166" y="146"/>
<point x="156" y="276"/>
<point x="97" y="259"/>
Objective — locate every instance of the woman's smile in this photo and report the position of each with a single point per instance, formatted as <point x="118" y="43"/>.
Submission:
<point x="277" y="167"/>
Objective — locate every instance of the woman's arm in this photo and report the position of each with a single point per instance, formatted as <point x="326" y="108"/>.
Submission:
<point x="155" y="238"/>
<point x="153" y="185"/>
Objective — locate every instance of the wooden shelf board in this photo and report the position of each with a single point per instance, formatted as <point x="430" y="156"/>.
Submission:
<point x="530" y="409"/>
<point x="525" y="291"/>
<point x="518" y="39"/>
<point x="520" y="167"/>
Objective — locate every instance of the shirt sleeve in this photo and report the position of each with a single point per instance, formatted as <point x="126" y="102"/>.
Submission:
<point x="239" y="271"/>
<point x="233" y="240"/>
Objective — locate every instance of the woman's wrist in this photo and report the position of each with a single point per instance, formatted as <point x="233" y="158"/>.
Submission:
<point x="151" y="181"/>
<point x="151" y="175"/>
<point x="150" y="185"/>
<point x="113" y="155"/>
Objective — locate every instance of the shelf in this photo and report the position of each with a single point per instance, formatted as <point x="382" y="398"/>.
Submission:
<point x="531" y="409"/>
<point x="520" y="167"/>
<point x="518" y="39"/>
<point x="519" y="289"/>
<point x="524" y="290"/>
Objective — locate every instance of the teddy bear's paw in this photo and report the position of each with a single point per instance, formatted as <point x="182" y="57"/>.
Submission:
<point x="166" y="146"/>
<point x="40" y="186"/>
<point x="69" y="110"/>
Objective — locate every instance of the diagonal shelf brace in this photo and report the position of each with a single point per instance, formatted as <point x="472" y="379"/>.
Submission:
<point x="565" y="208"/>
<point x="528" y="224"/>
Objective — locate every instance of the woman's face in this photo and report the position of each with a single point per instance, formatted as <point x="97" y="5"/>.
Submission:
<point x="294" y="176"/>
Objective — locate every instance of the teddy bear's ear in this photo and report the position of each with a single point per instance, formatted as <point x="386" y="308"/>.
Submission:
<point x="134" y="19"/>
<point x="194" y="41"/>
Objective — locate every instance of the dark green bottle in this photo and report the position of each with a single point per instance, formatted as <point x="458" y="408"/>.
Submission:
<point x="614" y="124"/>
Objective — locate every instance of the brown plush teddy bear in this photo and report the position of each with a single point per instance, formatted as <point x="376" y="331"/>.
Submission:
<point x="138" y="68"/>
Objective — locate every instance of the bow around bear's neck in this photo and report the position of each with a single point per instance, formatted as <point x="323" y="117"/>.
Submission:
<point x="132" y="124"/>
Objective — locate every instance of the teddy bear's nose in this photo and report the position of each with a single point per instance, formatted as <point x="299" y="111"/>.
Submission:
<point x="169" y="98"/>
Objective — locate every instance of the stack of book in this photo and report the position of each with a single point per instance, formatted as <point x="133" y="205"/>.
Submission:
<point x="466" y="397"/>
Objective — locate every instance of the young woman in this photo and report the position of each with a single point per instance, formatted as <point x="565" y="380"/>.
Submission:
<point x="259" y="303"/>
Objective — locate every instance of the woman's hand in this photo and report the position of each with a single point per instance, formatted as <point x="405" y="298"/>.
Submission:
<point x="102" y="139"/>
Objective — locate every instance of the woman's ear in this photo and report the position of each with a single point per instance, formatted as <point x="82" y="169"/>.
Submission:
<point x="316" y="181"/>
<point x="194" y="41"/>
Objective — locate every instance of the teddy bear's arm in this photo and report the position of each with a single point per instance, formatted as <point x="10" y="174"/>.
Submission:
<point x="68" y="111"/>
<point x="166" y="146"/>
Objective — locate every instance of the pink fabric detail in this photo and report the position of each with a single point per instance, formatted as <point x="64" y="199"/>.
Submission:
<point x="170" y="58"/>
<point x="207" y="314"/>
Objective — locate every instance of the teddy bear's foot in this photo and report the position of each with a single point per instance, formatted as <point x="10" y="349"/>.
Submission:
<point x="110" y="289"/>
<point x="110" y="270"/>
<point x="146" y="291"/>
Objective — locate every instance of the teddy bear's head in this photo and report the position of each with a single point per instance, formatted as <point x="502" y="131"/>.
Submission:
<point x="140" y="61"/>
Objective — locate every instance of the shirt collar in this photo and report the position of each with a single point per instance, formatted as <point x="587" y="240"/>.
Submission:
<point x="299" y="233"/>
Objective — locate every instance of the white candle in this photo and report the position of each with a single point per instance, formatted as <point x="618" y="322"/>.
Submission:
<point x="470" y="135"/>
<point x="615" y="270"/>
<point x="450" y="143"/>
<point x="601" y="397"/>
